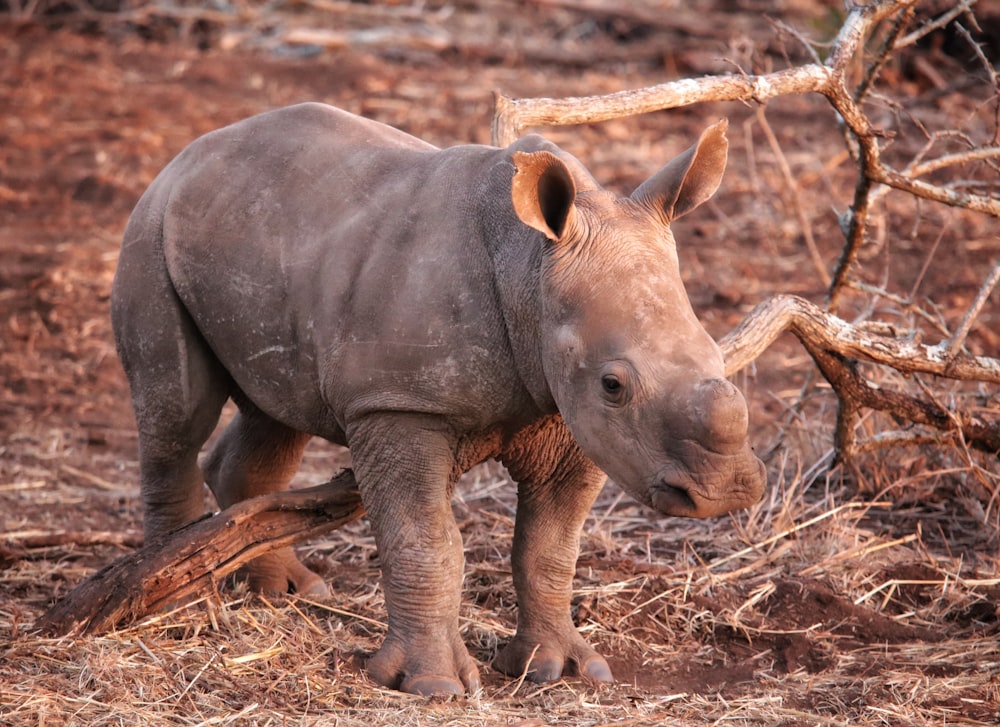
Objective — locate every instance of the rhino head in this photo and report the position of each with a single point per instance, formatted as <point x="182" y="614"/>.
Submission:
<point x="637" y="379"/>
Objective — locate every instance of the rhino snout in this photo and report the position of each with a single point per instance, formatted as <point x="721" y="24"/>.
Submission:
<point x="737" y="483"/>
<point x="722" y="417"/>
<point x="712" y="468"/>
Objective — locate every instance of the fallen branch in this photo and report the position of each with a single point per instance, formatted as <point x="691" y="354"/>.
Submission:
<point x="38" y="539"/>
<point x="191" y="561"/>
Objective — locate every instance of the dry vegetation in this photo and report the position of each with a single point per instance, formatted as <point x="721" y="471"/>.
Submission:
<point x="857" y="594"/>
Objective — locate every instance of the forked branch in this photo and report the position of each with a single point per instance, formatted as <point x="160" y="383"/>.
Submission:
<point x="817" y="328"/>
<point x="835" y="346"/>
<point x="513" y="116"/>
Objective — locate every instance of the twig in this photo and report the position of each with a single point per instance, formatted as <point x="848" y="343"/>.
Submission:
<point x="942" y="20"/>
<point x="927" y="263"/>
<point x="791" y="531"/>
<point x="800" y="213"/>
<point x="958" y="338"/>
<point x="902" y="20"/>
<point x="991" y="72"/>
<point x="524" y="673"/>
<point x="906" y="303"/>
<point x="32" y="539"/>
<point x="886" y="440"/>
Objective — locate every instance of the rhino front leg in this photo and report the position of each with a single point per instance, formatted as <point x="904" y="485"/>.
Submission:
<point x="406" y="472"/>
<point x="557" y="486"/>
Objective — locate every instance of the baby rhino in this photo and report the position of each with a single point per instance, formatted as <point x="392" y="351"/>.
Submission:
<point x="429" y="309"/>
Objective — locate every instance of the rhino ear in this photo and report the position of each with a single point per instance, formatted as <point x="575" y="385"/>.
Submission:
<point x="543" y="192"/>
<point x="691" y="178"/>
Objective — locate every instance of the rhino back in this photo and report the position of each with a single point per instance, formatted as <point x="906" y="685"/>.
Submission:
<point x="335" y="268"/>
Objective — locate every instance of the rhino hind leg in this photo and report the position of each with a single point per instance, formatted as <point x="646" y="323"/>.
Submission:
<point x="256" y="455"/>
<point x="178" y="387"/>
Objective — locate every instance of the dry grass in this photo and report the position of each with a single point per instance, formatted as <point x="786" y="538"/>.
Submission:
<point x="814" y="607"/>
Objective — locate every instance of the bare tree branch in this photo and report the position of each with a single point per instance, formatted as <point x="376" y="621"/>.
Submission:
<point x="800" y="213"/>
<point x="835" y="346"/>
<point x="941" y="21"/>
<point x="821" y="329"/>
<point x="512" y="117"/>
<point x="955" y="343"/>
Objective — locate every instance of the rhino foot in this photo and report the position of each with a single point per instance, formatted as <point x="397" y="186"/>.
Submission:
<point x="282" y="572"/>
<point x="543" y="662"/>
<point x="428" y="668"/>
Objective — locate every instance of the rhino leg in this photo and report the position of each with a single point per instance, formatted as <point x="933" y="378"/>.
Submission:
<point x="257" y="455"/>
<point x="406" y="471"/>
<point x="557" y="486"/>
<point x="178" y="387"/>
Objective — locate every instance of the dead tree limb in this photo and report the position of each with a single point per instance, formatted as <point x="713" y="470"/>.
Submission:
<point x="191" y="561"/>
<point x="512" y="116"/>
<point x="821" y="329"/>
<point x="836" y="346"/>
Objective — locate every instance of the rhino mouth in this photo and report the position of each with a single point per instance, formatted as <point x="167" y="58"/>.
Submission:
<point x="736" y="482"/>
<point x="674" y="500"/>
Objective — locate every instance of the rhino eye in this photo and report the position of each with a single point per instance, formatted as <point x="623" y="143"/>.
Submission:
<point x="616" y="385"/>
<point x="612" y="385"/>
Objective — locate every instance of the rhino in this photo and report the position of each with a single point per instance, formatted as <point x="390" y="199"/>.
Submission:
<point x="429" y="309"/>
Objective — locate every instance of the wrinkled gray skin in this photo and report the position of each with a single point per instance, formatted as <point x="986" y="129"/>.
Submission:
<point x="429" y="309"/>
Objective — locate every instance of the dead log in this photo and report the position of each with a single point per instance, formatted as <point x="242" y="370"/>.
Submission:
<point x="190" y="562"/>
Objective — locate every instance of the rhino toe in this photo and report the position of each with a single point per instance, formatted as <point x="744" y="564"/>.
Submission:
<point x="547" y="663"/>
<point x="282" y="572"/>
<point x="423" y="668"/>
<point x="432" y="685"/>
<point x="596" y="668"/>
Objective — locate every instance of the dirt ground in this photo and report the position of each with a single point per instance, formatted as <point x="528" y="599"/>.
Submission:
<point x="862" y="597"/>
